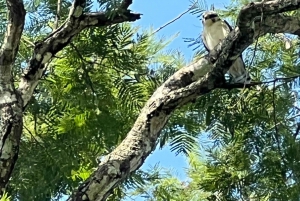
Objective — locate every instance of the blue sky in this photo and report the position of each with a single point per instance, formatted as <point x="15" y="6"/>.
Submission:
<point x="157" y="13"/>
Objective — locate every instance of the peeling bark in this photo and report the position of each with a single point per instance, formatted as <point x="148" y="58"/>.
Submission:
<point x="181" y="88"/>
<point x="11" y="129"/>
<point x="10" y="102"/>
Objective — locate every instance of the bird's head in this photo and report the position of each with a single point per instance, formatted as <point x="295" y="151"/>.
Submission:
<point x="209" y="17"/>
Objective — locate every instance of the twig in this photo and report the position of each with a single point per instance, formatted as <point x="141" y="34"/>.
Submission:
<point x="274" y="113"/>
<point x="85" y="69"/>
<point x="170" y="22"/>
<point x="32" y="136"/>
<point x="297" y="108"/>
<point x="297" y="131"/>
<point x="289" y="119"/>
<point x="242" y="85"/>
<point x="57" y="13"/>
<point x="276" y="135"/>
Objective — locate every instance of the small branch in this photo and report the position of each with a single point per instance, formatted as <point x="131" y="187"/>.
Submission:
<point x="87" y="76"/>
<point x="242" y="85"/>
<point x="274" y="116"/>
<point x="100" y="19"/>
<point x="175" y="19"/>
<point x="276" y="135"/>
<point x="297" y="131"/>
<point x="58" y="10"/>
<point x="282" y="123"/>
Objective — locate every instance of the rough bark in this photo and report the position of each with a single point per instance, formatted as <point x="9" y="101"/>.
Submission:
<point x="10" y="100"/>
<point x="181" y="88"/>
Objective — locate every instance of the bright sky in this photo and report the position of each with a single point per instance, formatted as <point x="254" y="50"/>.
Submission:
<point x="157" y="13"/>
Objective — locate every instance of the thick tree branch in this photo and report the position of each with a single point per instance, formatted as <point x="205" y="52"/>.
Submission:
<point x="16" y="18"/>
<point x="60" y="38"/>
<point x="181" y="88"/>
<point x="10" y="101"/>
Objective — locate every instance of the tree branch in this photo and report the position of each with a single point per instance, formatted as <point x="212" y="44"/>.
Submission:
<point x="241" y="85"/>
<point x="14" y="29"/>
<point x="125" y="4"/>
<point x="10" y="101"/>
<point x="57" y="18"/>
<point x="181" y="88"/>
<point x="173" y="20"/>
<point x="45" y="50"/>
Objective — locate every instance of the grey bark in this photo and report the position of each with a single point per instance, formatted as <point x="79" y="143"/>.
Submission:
<point x="10" y="100"/>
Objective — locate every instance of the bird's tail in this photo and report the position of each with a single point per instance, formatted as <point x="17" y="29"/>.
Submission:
<point x="239" y="73"/>
<point x="245" y="79"/>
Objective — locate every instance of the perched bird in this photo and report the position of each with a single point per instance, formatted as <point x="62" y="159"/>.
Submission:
<point x="214" y="31"/>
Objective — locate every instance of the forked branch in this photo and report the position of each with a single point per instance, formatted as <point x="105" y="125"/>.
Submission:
<point x="45" y="50"/>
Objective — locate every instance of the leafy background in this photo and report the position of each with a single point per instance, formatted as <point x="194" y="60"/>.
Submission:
<point x="94" y="89"/>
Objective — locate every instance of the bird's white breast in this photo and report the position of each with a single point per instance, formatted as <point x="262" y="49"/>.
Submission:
<point x="215" y="33"/>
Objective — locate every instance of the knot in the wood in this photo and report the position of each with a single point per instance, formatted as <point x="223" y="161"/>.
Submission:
<point x="228" y="62"/>
<point x="186" y="78"/>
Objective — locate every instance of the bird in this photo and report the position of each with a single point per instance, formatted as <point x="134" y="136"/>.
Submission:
<point x="214" y="31"/>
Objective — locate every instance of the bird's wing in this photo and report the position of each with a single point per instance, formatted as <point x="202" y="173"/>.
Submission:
<point x="204" y="41"/>
<point x="242" y="63"/>
<point x="230" y="28"/>
<point x="244" y="66"/>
